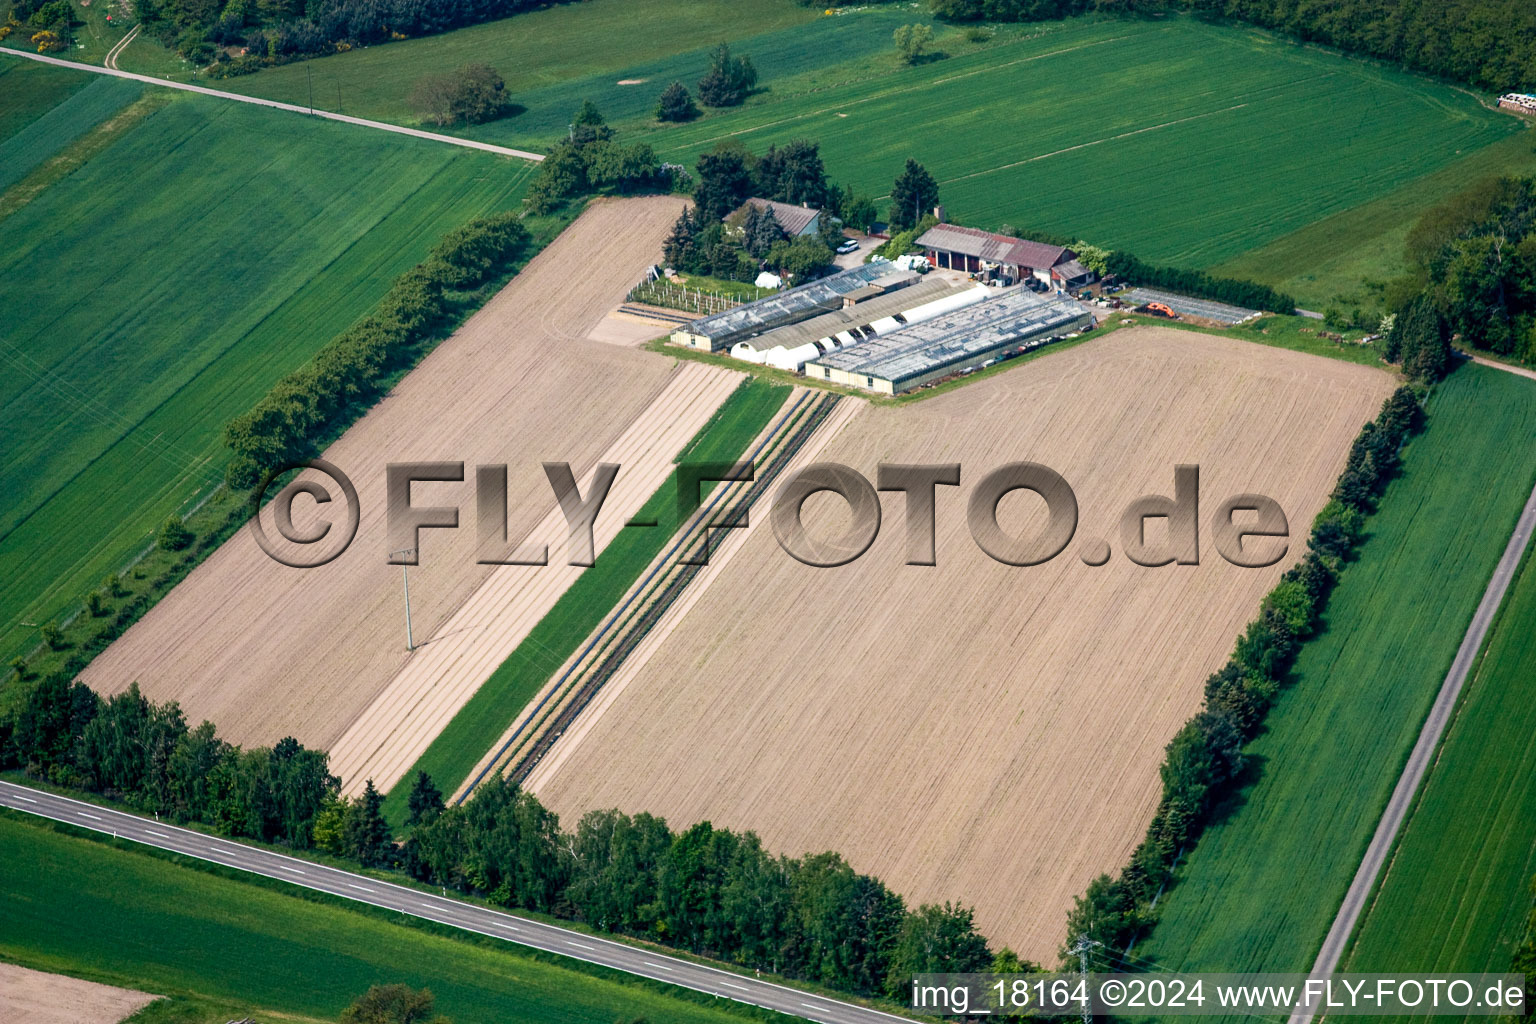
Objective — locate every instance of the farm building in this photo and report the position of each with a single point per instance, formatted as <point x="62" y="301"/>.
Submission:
<point x="1015" y="321"/>
<point x="722" y="330"/>
<point x="989" y="256"/>
<point x="1519" y="102"/>
<point x="792" y="346"/>
<point x="793" y="220"/>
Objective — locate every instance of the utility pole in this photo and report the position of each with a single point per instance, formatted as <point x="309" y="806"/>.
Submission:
<point x="1081" y="948"/>
<point x="405" y="580"/>
<point x="309" y="73"/>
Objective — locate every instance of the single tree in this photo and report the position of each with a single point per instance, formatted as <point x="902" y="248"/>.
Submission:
<point x="728" y="80"/>
<point x="174" y="535"/>
<point x="367" y="834"/>
<point x="393" y="1004"/>
<point x="912" y="41"/>
<point x="675" y="104"/>
<point x="724" y="184"/>
<point x="425" y="802"/>
<point x="766" y="233"/>
<point x="914" y="194"/>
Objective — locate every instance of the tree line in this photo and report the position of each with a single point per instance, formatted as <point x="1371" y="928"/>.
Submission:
<point x="708" y="890"/>
<point x="1490" y="44"/>
<point x="1198" y="283"/>
<point x="1472" y="276"/>
<point x="310" y="404"/>
<point x="130" y="749"/>
<point x="711" y="891"/>
<point x="1204" y="762"/>
<point x="273" y="31"/>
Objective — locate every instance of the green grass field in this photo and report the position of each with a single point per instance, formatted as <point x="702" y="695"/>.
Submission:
<point x="160" y="290"/>
<point x="126" y="917"/>
<point x="1343" y="260"/>
<point x="21" y="153"/>
<point x="558" y="47"/>
<point x="582" y="608"/>
<point x="1453" y="896"/>
<point x="1180" y="141"/>
<point x="1262" y="886"/>
<point x="28" y="91"/>
<point x="1184" y="142"/>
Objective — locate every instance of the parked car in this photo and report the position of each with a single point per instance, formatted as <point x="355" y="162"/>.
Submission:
<point x="849" y="245"/>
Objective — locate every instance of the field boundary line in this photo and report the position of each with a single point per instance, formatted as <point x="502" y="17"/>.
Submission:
<point x="276" y="105"/>
<point x="1440" y="715"/>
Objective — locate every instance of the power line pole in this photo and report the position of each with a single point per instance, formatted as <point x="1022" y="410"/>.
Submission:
<point x="405" y="580"/>
<point x="1081" y="948"/>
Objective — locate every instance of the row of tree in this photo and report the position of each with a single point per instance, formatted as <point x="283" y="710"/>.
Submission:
<point x="1204" y="762"/>
<point x="589" y="160"/>
<point x="272" y="30"/>
<point x="129" y="748"/>
<point x="1197" y="282"/>
<point x="1472" y="275"/>
<point x="1490" y="44"/>
<point x="711" y="891"/>
<point x="308" y="405"/>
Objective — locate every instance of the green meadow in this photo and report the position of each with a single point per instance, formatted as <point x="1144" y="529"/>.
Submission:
<point x="1185" y="142"/>
<point x="161" y="288"/>
<point x="1260" y="889"/>
<point x="1456" y="894"/>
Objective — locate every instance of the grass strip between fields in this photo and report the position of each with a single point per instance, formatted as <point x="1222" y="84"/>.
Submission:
<point x="213" y="938"/>
<point x="496" y="704"/>
<point x="1260" y="889"/>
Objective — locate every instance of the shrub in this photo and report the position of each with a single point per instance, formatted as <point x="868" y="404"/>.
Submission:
<point x="53" y="636"/>
<point x="473" y="94"/>
<point x="174" y="535"/>
<point x="675" y="104"/>
<point x="911" y="41"/>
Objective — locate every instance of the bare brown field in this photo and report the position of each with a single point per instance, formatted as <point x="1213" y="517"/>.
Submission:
<point x="41" y="998"/>
<point x="973" y="731"/>
<point x="267" y="651"/>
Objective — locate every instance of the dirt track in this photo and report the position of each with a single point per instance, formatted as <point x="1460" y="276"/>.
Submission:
<point x="972" y="731"/>
<point x="267" y="651"/>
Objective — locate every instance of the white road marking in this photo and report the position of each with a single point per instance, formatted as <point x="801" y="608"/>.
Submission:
<point x="359" y="888"/>
<point x="739" y="988"/>
<point x="662" y="966"/>
<point x="27" y="799"/>
<point x="295" y="870"/>
<point x="578" y="945"/>
<point x="157" y="835"/>
<point x="84" y="815"/>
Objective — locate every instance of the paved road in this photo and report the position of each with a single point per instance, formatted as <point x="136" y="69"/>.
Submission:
<point x="1423" y="753"/>
<point x="448" y="911"/>
<point x="275" y="105"/>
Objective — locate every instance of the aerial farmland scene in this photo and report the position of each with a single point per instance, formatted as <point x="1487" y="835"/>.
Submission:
<point x="705" y="511"/>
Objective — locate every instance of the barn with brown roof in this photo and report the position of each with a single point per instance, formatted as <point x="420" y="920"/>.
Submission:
<point x="990" y="256"/>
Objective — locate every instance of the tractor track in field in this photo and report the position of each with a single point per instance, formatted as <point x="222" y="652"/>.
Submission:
<point x="656" y="594"/>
